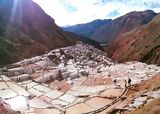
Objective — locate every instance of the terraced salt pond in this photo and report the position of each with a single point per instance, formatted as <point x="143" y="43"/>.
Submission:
<point x="81" y="85"/>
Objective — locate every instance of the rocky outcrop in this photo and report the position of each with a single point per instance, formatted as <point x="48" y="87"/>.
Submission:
<point x="110" y="31"/>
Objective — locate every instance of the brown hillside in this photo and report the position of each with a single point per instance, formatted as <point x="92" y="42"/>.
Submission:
<point x="141" y="44"/>
<point x="26" y="31"/>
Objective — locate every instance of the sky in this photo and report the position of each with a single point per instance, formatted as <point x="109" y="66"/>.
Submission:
<point x="71" y="12"/>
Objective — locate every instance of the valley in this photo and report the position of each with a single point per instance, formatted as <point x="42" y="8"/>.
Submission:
<point x="105" y="66"/>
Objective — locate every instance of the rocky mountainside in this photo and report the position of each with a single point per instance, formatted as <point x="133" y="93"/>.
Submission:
<point x="110" y="31"/>
<point x="141" y="44"/>
<point x="26" y="31"/>
<point x="87" y="29"/>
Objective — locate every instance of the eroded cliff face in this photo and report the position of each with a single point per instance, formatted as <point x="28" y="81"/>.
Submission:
<point x="26" y="31"/>
<point x="141" y="44"/>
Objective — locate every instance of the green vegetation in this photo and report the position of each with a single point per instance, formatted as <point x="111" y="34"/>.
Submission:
<point x="7" y="52"/>
<point x="149" y="54"/>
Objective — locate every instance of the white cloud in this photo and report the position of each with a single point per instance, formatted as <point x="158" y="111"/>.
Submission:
<point x="81" y="11"/>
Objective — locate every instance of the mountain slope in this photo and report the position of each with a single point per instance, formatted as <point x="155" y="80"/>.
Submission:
<point x="86" y="29"/>
<point x="142" y="44"/>
<point x="83" y="39"/>
<point x="26" y="30"/>
<point x="123" y="24"/>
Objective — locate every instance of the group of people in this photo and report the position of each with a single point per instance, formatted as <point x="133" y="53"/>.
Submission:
<point x="127" y="81"/>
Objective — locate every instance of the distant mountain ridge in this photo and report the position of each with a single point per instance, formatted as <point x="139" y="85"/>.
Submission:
<point x="86" y="29"/>
<point x="109" y="32"/>
<point x="106" y="31"/>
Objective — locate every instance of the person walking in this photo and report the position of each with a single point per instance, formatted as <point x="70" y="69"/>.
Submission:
<point x="129" y="81"/>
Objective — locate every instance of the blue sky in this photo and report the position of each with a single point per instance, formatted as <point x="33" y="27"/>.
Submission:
<point x="70" y="12"/>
